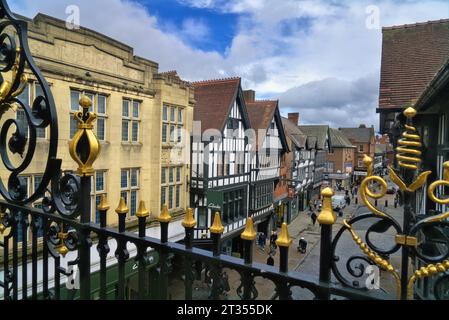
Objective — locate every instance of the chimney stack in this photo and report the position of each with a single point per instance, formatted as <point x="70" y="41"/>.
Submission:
<point x="249" y="95"/>
<point x="294" y="117"/>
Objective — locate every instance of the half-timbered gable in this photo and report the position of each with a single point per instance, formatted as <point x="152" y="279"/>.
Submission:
<point x="220" y="156"/>
<point x="266" y="160"/>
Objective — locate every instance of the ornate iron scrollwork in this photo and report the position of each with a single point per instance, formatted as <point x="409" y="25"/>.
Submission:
<point x="15" y="61"/>
<point x="421" y="231"/>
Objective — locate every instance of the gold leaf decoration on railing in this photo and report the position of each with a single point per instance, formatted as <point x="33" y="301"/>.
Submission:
<point x="424" y="272"/>
<point x="375" y="258"/>
<point x="365" y="191"/>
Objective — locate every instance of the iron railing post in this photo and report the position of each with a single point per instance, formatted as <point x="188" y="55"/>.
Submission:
<point x="189" y="224"/>
<point x="164" y="220"/>
<point x="142" y="214"/>
<point x="84" y="241"/>
<point x="283" y="242"/>
<point x="216" y="230"/>
<point x="103" y="248"/>
<point x="84" y="149"/>
<point x="248" y="236"/>
<point x="326" y="219"/>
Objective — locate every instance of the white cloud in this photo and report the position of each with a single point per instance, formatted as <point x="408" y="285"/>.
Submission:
<point x="195" y="29"/>
<point x="325" y="40"/>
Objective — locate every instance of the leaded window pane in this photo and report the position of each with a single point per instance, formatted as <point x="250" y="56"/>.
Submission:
<point x="134" y="178"/>
<point x="135" y="131"/>
<point x="74" y="100"/>
<point x="125" y="108"/>
<point x="133" y="202"/>
<point x="124" y="179"/>
<point x="101" y="129"/>
<point x="125" y="134"/>
<point x="101" y="108"/>
<point x="99" y="181"/>
<point x="136" y="109"/>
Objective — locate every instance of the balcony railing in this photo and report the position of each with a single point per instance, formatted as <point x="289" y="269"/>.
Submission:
<point x="69" y="257"/>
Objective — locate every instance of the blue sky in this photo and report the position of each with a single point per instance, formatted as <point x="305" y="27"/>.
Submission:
<point x="320" y="58"/>
<point x="174" y="16"/>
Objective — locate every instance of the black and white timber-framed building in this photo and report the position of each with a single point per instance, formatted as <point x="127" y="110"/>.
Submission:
<point x="270" y="145"/>
<point x="220" y="160"/>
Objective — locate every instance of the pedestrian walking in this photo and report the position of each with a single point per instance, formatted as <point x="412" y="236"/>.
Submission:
<point x="348" y="200"/>
<point x="313" y="217"/>
<point x="263" y="240"/>
<point x="302" y="245"/>
<point x="273" y="238"/>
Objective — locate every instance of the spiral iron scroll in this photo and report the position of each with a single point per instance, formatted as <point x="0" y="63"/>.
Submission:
<point x="15" y="62"/>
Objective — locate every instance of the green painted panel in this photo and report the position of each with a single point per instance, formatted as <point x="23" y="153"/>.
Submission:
<point x="215" y="200"/>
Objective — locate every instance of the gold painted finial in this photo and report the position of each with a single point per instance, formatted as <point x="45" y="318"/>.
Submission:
<point x="103" y="206"/>
<point x="367" y="160"/>
<point x="142" y="211"/>
<point x="62" y="248"/>
<point x="327" y="215"/>
<point x="85" y="102"/>
<point x="85" y="135"/>
<point x="249" y="233"/>
<point x="284" y="239"/>
<point x="410" y="112"/>
<point x="217" y="226"/>
<point x="165" y="214"/>
<point x="122" y="208"/>
<point x="189" y="220"/>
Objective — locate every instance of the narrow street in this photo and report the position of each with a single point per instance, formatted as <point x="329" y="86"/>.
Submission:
<point x="308" y="263"/>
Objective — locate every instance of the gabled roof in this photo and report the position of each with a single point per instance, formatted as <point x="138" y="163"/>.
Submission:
<point x="411" y="55"/>
<point x="311" y="142"/>
<point x="339" y="140"/>
<point x="320" y="132"/>
<point x="261" y="113"/>
<point x="292" y="131"/>
<point x="360" y="135"/>
<point x="214" y="100"/>
<point x="438" y="84"/>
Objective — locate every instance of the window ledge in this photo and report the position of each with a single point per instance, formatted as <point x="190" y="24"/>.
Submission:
<point x="132" y="144"/>
<point x="172" y="146"/>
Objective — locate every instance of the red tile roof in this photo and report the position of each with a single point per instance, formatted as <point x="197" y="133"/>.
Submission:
<point x="214" y="98"/>
<point x="261" y="112"/>
<point x="411" y="56"/>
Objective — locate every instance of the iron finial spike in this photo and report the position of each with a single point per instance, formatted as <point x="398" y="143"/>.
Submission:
<point x="142" y="211"/>
<point x="85" y="102"/>
<point x="103" y="206"/>
<point x="327" y="215"/>
<point x="217" y="226"/>
<point x="189" y="221"/>
<point x="284" y="239"/>
<point x="410" y="112"/>
<point x="165" y="214"/>
<point x="122" y="208"/>
<point x="249" y="233"/>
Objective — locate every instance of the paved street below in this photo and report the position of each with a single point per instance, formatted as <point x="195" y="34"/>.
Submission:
<point x="308" y="263"/>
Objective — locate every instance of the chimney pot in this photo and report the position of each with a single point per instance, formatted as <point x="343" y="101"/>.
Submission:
<point x="294" y="117"/>
<point x="249" y="95"/>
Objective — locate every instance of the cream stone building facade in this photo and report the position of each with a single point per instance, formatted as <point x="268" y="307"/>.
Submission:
<point x="144" y="117"/>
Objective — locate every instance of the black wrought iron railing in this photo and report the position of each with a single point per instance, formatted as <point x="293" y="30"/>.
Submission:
<point x="66" y="256"/>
